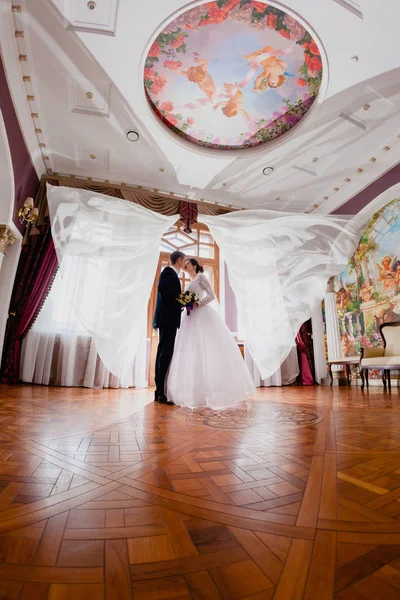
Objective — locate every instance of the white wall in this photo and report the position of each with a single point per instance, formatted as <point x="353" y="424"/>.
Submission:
<point x="9" y="262"/>
<point x="9" y="53"/>
<point x="7" y="275"/>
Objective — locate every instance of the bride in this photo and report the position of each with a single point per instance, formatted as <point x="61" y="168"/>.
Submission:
<point x="207" y="367"/>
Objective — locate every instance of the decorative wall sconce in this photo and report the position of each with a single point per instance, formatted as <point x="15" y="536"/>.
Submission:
<point x="28" y="213"/>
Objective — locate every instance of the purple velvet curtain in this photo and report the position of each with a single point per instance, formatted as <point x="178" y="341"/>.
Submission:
<point x="37" y="268"/>
<point x="306" y="359"/>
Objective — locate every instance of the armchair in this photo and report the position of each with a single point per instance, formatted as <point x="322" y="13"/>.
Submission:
<point x="386" y="359"/>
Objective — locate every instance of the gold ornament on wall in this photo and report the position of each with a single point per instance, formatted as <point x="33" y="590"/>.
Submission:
<point x="7" y="238"/>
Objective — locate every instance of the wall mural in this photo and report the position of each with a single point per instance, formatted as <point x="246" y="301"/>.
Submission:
<point x="232" y="74"/>
<point x="368" y="291"/>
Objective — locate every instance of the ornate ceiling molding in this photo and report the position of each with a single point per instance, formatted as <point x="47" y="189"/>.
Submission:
<point x="91" y="17"/>
<point x="351" y="6"/>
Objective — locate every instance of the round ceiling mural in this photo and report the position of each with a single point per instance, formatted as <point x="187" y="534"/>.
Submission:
<point x="232" y="74"/>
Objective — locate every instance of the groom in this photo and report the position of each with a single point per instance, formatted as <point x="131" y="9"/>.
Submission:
<point x="167" y="319"/>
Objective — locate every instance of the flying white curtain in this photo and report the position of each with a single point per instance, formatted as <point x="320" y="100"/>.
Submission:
<point x="279" y="265"/>
<point x="108" y="251"/>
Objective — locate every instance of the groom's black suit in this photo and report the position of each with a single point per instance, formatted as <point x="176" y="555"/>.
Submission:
<point x="167" y="319"/>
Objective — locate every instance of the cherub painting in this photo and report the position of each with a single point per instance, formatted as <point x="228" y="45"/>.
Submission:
<point x="274" y="71"/>
<point x="396" y="271"/>
<point x="233" y="106"/>
<point x="347" y="344"/>
<point x="195" y="60"/>
<point x="386" y="272"/>
<point x="199" y="74"/>
<point x="366" y="292"/>
<point x="375" y="292"/>
<point x="343" y="297"/>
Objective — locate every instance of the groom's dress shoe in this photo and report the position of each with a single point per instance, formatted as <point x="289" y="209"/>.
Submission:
<point x="156" y="396"/>
<point x="164" y="400"/>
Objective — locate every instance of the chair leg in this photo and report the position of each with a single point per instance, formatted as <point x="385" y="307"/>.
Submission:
<point x="384" y="378"/>
<point x="388" y="379"/>
<point x="362" y="378"/>
<point x="348" y="374"/>
<point x="331" y="374"/>
<point x="367" y="377"/>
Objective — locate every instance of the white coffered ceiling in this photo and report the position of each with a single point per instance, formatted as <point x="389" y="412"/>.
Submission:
<point x="83" y="77"/>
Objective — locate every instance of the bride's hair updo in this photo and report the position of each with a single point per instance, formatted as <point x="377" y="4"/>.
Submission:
<point x="195" y="263"/>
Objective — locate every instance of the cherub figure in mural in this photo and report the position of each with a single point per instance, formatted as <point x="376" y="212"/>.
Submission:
<point x="396" y="271"/>
<point x="367" y="292"/>
<point x="343" y="297"/>
<point x="199" y="74"/>
<point x="386" y="272"/>
<point x="233" y="106"/>
<point x="274" y="71"/>
<point x="347" y="344"/>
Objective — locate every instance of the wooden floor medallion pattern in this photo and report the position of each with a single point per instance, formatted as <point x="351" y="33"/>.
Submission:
<point x="103" y="495"/>
<point x="247" y="415"/>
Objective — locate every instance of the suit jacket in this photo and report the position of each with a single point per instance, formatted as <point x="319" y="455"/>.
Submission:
<point x="168" y="309"/>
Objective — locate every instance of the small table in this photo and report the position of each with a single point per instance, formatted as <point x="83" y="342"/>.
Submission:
<point x="347" y="362"/>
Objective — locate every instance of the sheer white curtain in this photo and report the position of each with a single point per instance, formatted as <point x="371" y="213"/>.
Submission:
<point x="278" y="265"/>
<point x="285" y="375"/>
<point x="108" y="252"/>
<point x="58" y="350"/>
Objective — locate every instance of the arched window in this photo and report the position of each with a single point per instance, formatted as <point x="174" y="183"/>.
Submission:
<point x="199" y="244"/>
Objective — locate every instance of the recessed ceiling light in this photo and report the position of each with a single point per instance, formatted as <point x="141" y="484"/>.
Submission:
<point x="91" y="5"/>
<point x="366" y="106"/>
<point x="268" y="171"/>
<point x="132" y="135"/>
<point x="89" y="95"/>
<point x="315" y="159"/>
<point x="224" y="184"/>
<point x="354" y="60"/>
<point x="93" y="156"/>
<point x="161" y="169"/>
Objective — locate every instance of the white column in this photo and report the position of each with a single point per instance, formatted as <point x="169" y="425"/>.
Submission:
<point x="318" y="344"/>
<point x="9" y="256"/>
<point x="335" y="349"/>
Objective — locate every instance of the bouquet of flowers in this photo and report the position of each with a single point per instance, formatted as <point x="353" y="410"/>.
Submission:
<point x="188" y="300"/>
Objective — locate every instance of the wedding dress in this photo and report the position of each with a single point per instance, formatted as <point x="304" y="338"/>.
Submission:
<point x="207" y="368"/>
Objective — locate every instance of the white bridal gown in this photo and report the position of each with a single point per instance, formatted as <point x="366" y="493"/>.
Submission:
<point x="207" y="368"/>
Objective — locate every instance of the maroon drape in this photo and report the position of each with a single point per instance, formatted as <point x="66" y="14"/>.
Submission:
<point x="36" y="271"/>
<point x="305" y="358"/>
<point x="188" y="212"/>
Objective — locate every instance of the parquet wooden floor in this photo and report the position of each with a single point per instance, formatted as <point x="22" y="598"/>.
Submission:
<point x="106" y="495"/>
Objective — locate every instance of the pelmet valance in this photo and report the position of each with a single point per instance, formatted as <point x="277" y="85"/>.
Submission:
<point x="155" y="201"/>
